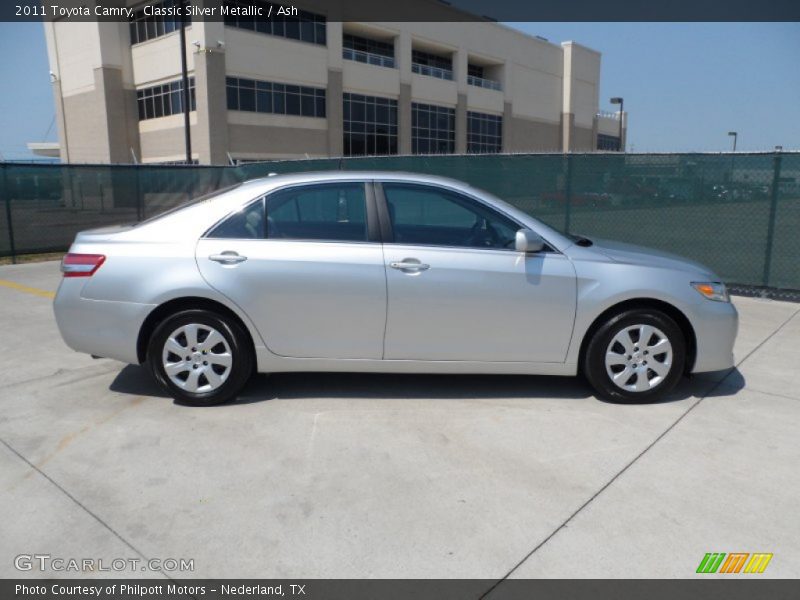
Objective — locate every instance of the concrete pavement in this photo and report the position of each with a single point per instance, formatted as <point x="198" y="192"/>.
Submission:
<point x="340" y="475"/>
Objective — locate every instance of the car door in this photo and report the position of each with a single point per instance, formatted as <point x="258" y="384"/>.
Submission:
<point x="305" y="264"/>
<point x="457" y="288"/>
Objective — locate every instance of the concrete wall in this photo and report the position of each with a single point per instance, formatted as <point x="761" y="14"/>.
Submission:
<point x="93" y="90"/>
<point x="549" y="95"/>
<point x="580" y="97"/>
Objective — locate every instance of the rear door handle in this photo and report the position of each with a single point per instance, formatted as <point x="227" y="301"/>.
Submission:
<point x="228" y="258"/>
<point x="409" y="266"/>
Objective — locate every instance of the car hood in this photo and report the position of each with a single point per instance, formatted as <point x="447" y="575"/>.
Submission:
<point x="639" y="255"/>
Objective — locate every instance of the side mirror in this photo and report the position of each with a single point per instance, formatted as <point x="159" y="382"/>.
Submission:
<point x="528" y="240"/>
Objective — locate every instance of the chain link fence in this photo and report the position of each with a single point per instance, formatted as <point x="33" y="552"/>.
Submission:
<point x="737" y="213"/>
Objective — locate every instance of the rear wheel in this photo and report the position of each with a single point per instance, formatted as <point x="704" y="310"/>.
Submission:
<point x="636" y="356"/>
<point x="200" y="357"/>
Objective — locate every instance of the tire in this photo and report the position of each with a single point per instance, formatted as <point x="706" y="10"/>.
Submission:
<point x="651" y="374"/>
<point x="200" y="357"/>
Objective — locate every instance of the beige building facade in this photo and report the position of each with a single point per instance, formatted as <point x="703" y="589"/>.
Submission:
<point x="309" y="87"/>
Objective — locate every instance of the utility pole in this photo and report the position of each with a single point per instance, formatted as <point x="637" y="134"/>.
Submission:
<point x="185" y="80"/>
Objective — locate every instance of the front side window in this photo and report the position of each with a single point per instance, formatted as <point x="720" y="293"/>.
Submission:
<point x="433" y="216"/>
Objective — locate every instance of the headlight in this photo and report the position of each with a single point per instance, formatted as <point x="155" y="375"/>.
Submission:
<point x="713" y="290"/>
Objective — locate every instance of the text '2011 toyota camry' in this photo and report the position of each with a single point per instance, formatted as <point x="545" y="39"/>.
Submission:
<point x="384" y="272"/>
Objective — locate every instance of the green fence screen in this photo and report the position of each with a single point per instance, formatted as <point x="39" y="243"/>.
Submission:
<point x="738" y="213"/>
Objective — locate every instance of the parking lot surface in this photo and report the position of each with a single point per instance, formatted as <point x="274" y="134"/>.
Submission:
<point x="340" y="475"/>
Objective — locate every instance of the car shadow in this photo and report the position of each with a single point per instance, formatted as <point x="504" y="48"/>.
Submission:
<point x="136" y="380"/>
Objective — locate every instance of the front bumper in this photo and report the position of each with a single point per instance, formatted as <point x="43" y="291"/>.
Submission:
<point x="715" y="325"/>
<point x="99" y="327"/>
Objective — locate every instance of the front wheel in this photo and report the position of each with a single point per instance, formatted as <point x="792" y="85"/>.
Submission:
<point x="636" y="356"/>
<point x="200" y="357"/>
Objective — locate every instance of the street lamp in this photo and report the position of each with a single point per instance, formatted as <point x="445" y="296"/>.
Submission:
<point x="186" y="98"/>
<point x="619" y="100"/>
<point x="735" y="137"/>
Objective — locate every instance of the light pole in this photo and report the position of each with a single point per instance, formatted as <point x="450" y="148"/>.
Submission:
<point x="186" y="97"/>
<point x="735" y="136"/>
<point x="620" y="101"/>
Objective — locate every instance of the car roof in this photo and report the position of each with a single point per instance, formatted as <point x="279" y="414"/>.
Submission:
<point x="278" y="180"/>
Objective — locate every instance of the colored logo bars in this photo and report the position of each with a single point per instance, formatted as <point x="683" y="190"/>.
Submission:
<point x="736" y="562"/>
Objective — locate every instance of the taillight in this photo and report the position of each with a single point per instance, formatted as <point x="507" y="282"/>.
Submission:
<point x="81" y="265"/>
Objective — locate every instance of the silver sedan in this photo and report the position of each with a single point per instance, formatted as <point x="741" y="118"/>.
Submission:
<point x="384" y="272"/>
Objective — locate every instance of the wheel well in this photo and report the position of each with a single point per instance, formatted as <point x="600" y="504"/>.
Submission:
<point x="163" y="311"/>
<point x="665" y="307"/>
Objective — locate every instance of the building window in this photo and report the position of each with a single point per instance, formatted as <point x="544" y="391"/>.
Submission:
<point x="365" y="50"/>
<point x="476" y="75"/>
<point x="608" y="142"/>
<point x="370" y="125"/>
<point x="164" y="100"/>
<point x="484" y="133"/>
<point x="475" y="70"/>
<point x="433" y="129"/>
<point x="276" y="98"/>
<point x="304" y="26"/>
<point x="432" y="65"/>
<point x="145" y="28"/>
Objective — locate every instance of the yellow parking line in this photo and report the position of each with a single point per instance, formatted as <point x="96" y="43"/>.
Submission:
<point x="27" y="289"/>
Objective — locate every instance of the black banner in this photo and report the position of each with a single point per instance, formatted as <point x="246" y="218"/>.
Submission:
<point x="416" y="10"/>
<point x="736" y="587"/>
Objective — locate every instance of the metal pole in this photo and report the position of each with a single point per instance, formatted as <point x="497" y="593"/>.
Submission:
<point x="773" y="209"/>
<point x="621" y="113"/>
<point x="139" y="203"/>
<point x="568" y="195"/>
<point x="9" y="222"/>
<point x="186" y="95"/>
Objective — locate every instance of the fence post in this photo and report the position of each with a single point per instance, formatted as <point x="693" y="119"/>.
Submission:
<point x="773" y="209"/>
<point x="139" y="203"/>
<point x="568" y="194"/>
<point x="9" y="222"/>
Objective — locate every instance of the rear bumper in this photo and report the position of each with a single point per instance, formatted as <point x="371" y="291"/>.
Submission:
<point x="715" y="325"/>
<point x="98" y="327"/>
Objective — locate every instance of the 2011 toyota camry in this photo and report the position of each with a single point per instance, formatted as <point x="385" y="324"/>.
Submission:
<point x="384" y="272"/>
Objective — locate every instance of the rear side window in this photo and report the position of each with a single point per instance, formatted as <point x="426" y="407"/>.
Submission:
<point x="245" y="224"/>
<point x="326" y="212"/>
<point x="329" y="212"/>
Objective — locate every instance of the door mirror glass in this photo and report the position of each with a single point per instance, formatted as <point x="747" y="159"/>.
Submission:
<point x="528" y="240"/>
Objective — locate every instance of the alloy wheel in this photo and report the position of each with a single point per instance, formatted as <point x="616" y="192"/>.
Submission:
<point x="197" y="358"/>
<point x="638" y="358"/>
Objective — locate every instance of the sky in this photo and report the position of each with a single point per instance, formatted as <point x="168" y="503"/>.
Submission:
<point x="685" y="85"/>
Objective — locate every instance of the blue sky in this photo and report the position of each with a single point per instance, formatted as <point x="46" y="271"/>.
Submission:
<point x="685" y="84"/>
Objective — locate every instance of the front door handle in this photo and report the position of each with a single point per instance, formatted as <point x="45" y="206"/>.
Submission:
<point x="409" y="265"/>
<point x="228" y="258"/>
